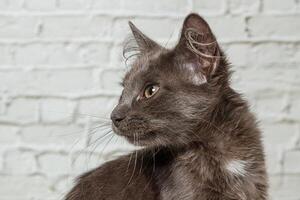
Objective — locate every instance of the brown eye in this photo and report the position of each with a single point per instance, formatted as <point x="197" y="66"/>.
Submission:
<point x="150" y="91"/>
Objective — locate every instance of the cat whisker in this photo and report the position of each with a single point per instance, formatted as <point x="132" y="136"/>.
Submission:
<point x="128" y="165"/>
<point x="107" y="144"/>
<point x="75" y="143"/>
<point x="82" y="130"/>
<point x="96" y="144"/>
<point x="91" y="133"/>
<point x="142" y="162"/>
<point x="135" y="160"/>
<point x="142" y="159"/>
<point x="107" y="133"/>
<point x="104" y="126"/>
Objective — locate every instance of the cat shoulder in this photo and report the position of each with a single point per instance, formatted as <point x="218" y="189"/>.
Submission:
<point x="99" y="181"/>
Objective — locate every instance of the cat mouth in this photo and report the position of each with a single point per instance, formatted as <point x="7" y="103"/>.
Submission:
<point x="142" y="140"/>
<point x="134" y="137"/>
<point x="138" y="137"/>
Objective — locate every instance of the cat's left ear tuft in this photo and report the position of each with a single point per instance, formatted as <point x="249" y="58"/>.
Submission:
<point x="144" y="43"/>
<point x="198" y="45"/>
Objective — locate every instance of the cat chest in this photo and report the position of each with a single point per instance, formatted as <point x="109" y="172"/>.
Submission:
<point x="189" y="181"/>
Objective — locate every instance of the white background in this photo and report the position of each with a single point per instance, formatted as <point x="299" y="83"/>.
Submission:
<point x="61" y="64"/>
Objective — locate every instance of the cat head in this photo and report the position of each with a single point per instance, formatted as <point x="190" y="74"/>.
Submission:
<point x="168" y="93"/>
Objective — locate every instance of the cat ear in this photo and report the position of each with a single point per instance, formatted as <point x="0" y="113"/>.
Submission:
<point x="199" y="47"/>
<point x="145" y="44"/>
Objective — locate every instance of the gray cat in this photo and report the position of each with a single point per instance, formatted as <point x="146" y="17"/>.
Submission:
<point x="201" y="141"/>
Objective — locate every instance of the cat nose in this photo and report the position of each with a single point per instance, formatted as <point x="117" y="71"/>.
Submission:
<point x="116" y="119"/>
<point x="117" y="116"/>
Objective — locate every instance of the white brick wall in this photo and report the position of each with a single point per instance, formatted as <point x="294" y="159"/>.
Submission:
<point x="60" y="64"/>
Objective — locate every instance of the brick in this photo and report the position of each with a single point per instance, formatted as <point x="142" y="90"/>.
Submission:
<point x="149" y="26"/>
<point x="273" y="160"/>
<point x="275" y="182"/>
<point x="103" y="5"/>
<point x="271" y="80"/>
<point x="64" y="184"/>
<point x="68" y="136"/>
<point x="296" y="55"/>
<point x="55" y="81"/>
<point x="1" y="163"/>
<point x="2" y="106"/>
<point x="277" y="138"/>
<point x="23" y="54"/>
<point x="111" y="79"/>
<point x="223" y="27"/>
<point x="264" y="54"/>
<point x="295" y="104"/>
<point x="244" y="6"/>
<point x="40" y="5"/>
<point x="262" y="73"/>
<point x="8" y="134"/>
<point x="48" y="81"/>
<point x="209" y="6"/>
<point x="13" y="27"/>
<point x="26" y="187"/>
<point x="291" y="162"/>
<point x="73" y="4"/>
<point x="289" y="188"/>
<point x="12" y="80"/>
<point x="95" y="53"/>
<point x="20" y="162"/>
<point x="57" y="110"/>
<point x="60" y="54"/>
<point x="278" y="135"/>
<point x="22" y="110"/>
<point x="99" y="5"/>
<point x="11" y="5"/>
<point x="83" y="162"/>
<point x="161" y="6"/>
<point x="270" y="105"/>
<point x="54" y="164"/>
<point x="238" y="54"/>
<point x="279" y="6"/>
<point x="75" y="26"/>
<point x="117" y="55"/>
<point x="274" y="26"/>
<point x="121" y="29"/>
<point x="6" y="55"/>
<point x="97" y="107"/>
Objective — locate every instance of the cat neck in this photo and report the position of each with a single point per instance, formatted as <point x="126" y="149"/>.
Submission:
<point x="229" y="133"/>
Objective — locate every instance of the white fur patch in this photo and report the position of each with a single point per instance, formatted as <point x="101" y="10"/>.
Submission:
<point x="237" y="167"/>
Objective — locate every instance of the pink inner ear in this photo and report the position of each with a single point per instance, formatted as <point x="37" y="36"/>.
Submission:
<point x="198" y="44"/>
<point x="194" y="74"/>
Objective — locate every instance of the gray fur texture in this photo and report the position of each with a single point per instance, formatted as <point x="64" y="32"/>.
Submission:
<point x="200" y="140"/>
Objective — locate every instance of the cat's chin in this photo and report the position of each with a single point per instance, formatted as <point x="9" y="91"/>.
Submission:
<point x="140" y="140"/>
<point x="136" y="138"/>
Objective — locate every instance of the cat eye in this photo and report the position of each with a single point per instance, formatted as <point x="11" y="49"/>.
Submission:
<point x="150" y="90"/>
